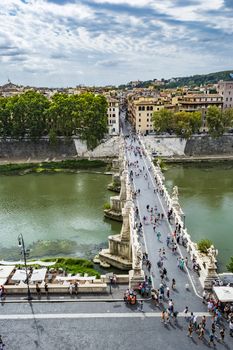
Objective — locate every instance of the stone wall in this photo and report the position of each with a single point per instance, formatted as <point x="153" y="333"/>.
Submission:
<point x="23" y="150"/>
<point x="197" y="145"/>
<point x="207" y="146"/>
<point x="26" y="149"/>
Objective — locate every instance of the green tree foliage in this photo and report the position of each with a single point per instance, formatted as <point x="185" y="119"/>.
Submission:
<point x="203" y="245"/>
<point x="163" y="120"/>
<point x="230" y="265"/>
<point x="183" y="124"/>
<point x="219" y="121"/>
<point x="31" y="114"/>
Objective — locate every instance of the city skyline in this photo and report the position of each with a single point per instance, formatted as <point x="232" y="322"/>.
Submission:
<point x="101" y="42"/>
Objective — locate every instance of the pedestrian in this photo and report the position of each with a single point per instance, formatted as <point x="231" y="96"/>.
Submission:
<point x="186" y="312"/>
<point x="173" y="283"/>
<point x="204" y="295"/>
<point x="76" y="287"/>
<point x="2" y="345"/>
<point x="46" y="288"/>
<point x="158" y="235"/>
<point x="211" y="339"/>
<point x="168" y="292"/>
<point x="222" y="334"/>
<point x="163" y="317"/>
<point x="190" y="330"/>
<point x="201" y="332"/>
<point x="38" y="291"/>
<point x="140" y="308"/>
<point x="71" y="288"/>
<point x="203" y="321"/>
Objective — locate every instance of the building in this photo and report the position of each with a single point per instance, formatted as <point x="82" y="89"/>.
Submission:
<point x="199" y="102"/>
<point x="225" y="89"/>
<point x="113" y="116"/>
<point x="140" y="112"/>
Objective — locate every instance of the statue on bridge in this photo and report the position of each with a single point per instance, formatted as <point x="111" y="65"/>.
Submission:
<point x="138" y="256"/>
<point x="212" y="253"/>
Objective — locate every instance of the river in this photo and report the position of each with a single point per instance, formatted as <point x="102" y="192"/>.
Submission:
<point x="59" y="214"/>
<point x="206" y="197"/>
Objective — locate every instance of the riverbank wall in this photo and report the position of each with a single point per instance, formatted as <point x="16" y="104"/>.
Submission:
<point x="43" y="150"/>
<point x="197" y="146"/>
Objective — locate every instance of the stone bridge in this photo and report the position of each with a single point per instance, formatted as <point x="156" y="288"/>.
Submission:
<point x="126" y="249"/>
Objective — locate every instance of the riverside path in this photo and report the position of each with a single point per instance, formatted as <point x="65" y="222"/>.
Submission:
<point x="188" y="289"/>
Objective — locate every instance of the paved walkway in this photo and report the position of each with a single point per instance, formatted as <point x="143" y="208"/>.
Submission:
<point x="150" y="243"/>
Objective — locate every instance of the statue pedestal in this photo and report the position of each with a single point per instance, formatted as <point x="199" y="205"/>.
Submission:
<point x="136" y="277"/>
<point x="211" y="276"/>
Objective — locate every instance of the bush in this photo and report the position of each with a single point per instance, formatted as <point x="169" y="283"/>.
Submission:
<point x="107" y="205"/>
<point x="203" y="245"/>
<point x="230" y="265"/>
<point x="74" y="266"/>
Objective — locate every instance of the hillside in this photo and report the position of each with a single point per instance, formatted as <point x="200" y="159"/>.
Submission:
<point x="197" y="80"/>
<point x="194" y="80"/>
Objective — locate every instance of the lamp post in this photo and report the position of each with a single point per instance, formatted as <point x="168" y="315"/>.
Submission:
<point x="25" y="253"/>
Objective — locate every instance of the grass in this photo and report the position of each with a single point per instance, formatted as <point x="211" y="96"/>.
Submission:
<point x="74" y="266"/>
<point x="50" y="167"/>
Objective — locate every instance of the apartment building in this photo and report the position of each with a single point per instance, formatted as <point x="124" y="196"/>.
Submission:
<point x="225" y="89"/>
<point x="113" y="116"/>
<point x="140" y="112"/>
<point x="199" y="102"/>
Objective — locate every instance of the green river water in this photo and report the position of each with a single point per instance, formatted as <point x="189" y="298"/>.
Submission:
<point x="206" y="197"/>
<point x="59" y="214"/>
<point x="62" y="214"/>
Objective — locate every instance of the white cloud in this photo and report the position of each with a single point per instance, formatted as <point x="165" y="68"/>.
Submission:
<point x="66" y="42"/>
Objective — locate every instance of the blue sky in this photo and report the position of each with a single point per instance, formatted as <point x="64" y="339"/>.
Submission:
<point x="100" y="42"/>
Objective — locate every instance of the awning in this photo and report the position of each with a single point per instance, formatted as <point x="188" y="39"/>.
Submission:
<point x="20" y="262"/>
<point x="224" y="294"/>
<point x="5" y="272"/>
<point x="76" y="278"/>
<point x="19" y="275"/>
<point x="38" y="275"/>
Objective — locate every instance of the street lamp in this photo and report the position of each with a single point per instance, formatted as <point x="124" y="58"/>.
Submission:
<point x="25" y="253"/>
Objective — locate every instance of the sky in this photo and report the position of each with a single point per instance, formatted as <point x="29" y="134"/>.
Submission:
<point x="102" y="42"/>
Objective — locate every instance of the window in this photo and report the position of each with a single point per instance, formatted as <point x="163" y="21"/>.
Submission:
<point x="147" y="114"/>
<point x="139" y="114"/>
<point x="114" y="115"/>
<point x="139" y="126"/>
<point x="143" y="108"/>
<point x="157" y="108"/>
<point x="151" y="108"/>
<point x="113" y="109"/>
<point x="139" y="108"/>
<point x="139" y="119"/>
<point x="148" y="108"/>
<point x="226" y="98"/>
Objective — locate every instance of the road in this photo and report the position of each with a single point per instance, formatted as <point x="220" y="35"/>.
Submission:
<point x="88" y="326"/>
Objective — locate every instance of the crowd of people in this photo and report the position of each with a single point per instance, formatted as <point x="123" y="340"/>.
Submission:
<point x="161" y="296"/>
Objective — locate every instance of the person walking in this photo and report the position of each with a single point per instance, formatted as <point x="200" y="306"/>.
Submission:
<point x="38" y="291"/>
<point x="71" y="288"/>
<point x="158" y="235"/>
<point x="211" y="339"/>
<point x="46" y="288"/>
<point x="76" y="287"/>
<point x="163" y="317"/>
<point x="168" y="292"/>
<point x="140" y="307"/>
<point x="222" y="334"/>
<point x="186" y="312"/>
<point x="2" y="345"/>
<point x="190" y="330"/>
<point x="173" y="284"/>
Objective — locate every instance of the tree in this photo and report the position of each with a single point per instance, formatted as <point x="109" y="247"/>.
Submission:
<point x="214" y="121"/>
<point x="230" y="265"/>
<point x="163" y="121"/>
<point x="186" y="123"/>
<point x="5" y="118"/>
<point x="203" y="245"/>
<point x="91" y="118"/>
